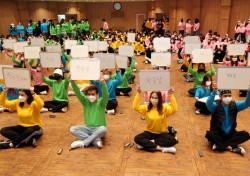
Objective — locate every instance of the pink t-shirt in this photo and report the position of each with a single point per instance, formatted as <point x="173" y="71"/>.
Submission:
<point x="188" y="27"/>
<point x="36" y="74"/>
<point x="181" y="26"/>
<point x="248" y="29"/>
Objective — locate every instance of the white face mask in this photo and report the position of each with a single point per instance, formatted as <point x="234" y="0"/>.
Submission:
<point x="92" y="98"/>
<point x="154" y="101"/>
<point x="106" y="77"/>
<point x="208" y="83"/>
<point x="234" y="59"/>
<point x="22" y="98"/>
<point x="227" y="100"/>
<point x="38" y="68"/>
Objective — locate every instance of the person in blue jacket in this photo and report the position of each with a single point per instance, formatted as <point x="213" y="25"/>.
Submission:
<point x="29" y="30"/>
<point x="223" y="133"/>
<point x="20" y="29"/>
<point x="12" y="30"/>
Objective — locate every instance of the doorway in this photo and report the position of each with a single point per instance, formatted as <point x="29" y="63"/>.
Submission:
<point x="139" y="21"/>
<point x="71" y="17"/>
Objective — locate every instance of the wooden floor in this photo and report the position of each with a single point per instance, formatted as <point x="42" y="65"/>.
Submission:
<point x="113" y="158"/>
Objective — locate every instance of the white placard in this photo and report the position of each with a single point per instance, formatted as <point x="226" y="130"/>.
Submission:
<point x="50" y="60"/>
<point x="154" y="80"/>
<point x="37" y="42"/>
<point x="69" y="43"/>
<point x="204" y="99"/>
<point x="192" y="39"/>
<point x="189" y="47"/>
<point x="161" y="59"/>
<point x="102" y="46"/>
<point x="122" y="61"/>
<point x="19" y="47"/>
<point x="125" y="50"/>
<point x="79" y="51"/>
<point x="233" y="78"/>
<point x="85" y="69"/>
<point x="54" y="49"/>
<point x="202" y="56"/>
<point x="161" y="44"/>
<point x="8" y="43"/>
<point x="236" y="49"/>
<point x="248" y="59"/>
<point x="1" y="69"/>
<point x="107" y="60"/>
<point x="131" y="37"/>
<point x="32" y="52"/>
<point x="16" y="78"/>
<point x="93" y="45"/>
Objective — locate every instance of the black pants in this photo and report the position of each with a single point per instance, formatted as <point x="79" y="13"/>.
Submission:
<point x="112" y="104"/>
<point x="21" y="135"/>
<point x="123" y="90"/>
<point x="192" y="92"/>
<point x="55" y="106"/>
<point x="38" y="88"/>
<point x="203" y="107"/>
<point x="181" y="32"/>
<point x="179" y="53"/>
<point x="222" y="140"/>
<point x="163" y="140"/>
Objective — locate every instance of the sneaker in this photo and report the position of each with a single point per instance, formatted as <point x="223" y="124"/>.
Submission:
<point x="34" y="143"/>
<point x="168" y="150"/>
<point x="71" y="93"/>
<point x="98" y="143"/>
<point x="5" y="145"/>
<point x="134" y="70"/>
<point x="43" y="93"/>
<point x="198" y="111"/>
<point x="139" y="147"/>
<point x="239" y="150"/>
<point x="1" y="109"/>
<point x="77" y="144"/>
<point x="112" y="111"/>
<point x="44" y="110"/>
<point x="64" y="109"/>
<point x="214" y="147"/>
<point x="127" y="94"/>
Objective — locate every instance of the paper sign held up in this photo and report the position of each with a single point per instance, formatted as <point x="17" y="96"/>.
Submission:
<point x="161" y="59"/>
<point x="122" y="61"/>
<point x="161" y="44"/>
<point x="107" y="60"/>
<point x="1" y="69"/>
<point x="32" y="52"/>
<point x="92" y="45"/>
<point x="37" y="42"/>
<point x="79" y="51"/>
<point x="54" y="48"/>
<point x="125" y="50"/>
<point x="189" y="47"/>
<point x="69" y="43"/>
<point x="236" y="49"/>
<point x="192" y="39"/>
<point x="131" y="37"/>
<point x="202" y="56"/>
<point x="102" y="46"/>
<point x="50" y="60"/>
<point x="19" y="47"/>
<point x="8" y="43"/>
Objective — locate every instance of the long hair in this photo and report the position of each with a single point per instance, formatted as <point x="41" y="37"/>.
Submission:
<point x="159" y="105"/>
<point x="236" y="62"/>
<point x="205" y="79"/>
<point x="29" y="99"/>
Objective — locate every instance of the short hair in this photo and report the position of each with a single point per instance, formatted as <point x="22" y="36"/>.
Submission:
<point x="224" y="92"/>
<point x="92" y="87"/>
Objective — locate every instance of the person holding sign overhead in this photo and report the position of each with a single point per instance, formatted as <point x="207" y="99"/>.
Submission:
<point x="223" y="134"/>
<point x="28" y="107"/>
<point x="94" y="116"/>
<point x="60" y="96"/>
<point x="156" y="137"/>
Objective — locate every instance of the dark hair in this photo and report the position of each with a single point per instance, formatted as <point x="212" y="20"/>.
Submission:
<point x="92" y="87"/>
<point x="234" y="63"/>
<point x="196" y="20"/>
<point x="107" y="71"/>
<point x="182" y="20"/>
<point x="205" y="79"/>
<point x="159" y="105"/>
<point x="201" y="65"/>
<point x="29" y="99"/>
<point x="188" y="20"/>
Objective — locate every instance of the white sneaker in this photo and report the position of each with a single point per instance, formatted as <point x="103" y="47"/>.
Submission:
<point x="44" y="110"/>
<point x="134" y="70"/>
<point x="198" y="111"/>
<point x="71" y="93"/>
<point x="77" y="144"/>
<point x="64" y="109"/>
<point x="139" y="147"/>
<point x="214" y="147"/>
<point x="1" y="109"/>
<point x="112" y="111"/>
<point x="43" y="93"/>
<point x="168" y="150"/>
<point x="98" y="143"/>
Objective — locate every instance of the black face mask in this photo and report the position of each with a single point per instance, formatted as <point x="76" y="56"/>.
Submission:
<point x="57" y="77"/>
<point x="200" y="70"/>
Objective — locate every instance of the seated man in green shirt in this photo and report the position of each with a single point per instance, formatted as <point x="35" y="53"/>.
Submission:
<point x="94" y="116"/>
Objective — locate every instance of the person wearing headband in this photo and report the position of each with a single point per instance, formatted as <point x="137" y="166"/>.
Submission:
<point x="223" y="133"/>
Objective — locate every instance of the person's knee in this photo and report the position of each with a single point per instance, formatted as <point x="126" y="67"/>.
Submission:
<point x="73" y="129"/>
<point x="137" y="139"/>
<point x="102" y="129"/>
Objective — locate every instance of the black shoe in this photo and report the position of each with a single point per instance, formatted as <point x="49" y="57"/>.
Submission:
<point x="5" y="145"/>
<point x="32" y="142"/>
<point x="127" y="94"/>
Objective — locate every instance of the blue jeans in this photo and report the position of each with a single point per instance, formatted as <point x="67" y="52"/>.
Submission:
<point x="192" y="92"/>
<point x="88" y="134"/>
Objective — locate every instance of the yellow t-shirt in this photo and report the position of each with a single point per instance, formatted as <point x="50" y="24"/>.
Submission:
<point x="156" y="123"/>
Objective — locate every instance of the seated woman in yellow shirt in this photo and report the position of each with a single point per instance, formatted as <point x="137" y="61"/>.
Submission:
<point x="28" y="107"/>
<point x="156" y="137"/>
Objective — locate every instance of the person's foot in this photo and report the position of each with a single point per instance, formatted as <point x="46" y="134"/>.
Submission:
<point x="198" y="111"/>
<point x="126" y="94"/>
<point x="71" y="93"/>
<point x="6" y="145"/>
<point x="43" y="93"/>
<point x="44" y="110"/>
<point x="98" y="143"/>
<point x="64" y="109"/>
<point x="168" y="150"/>
<point x="214" y="147"/>
<point x="239" y="150"/>
<point x="139" y="147"/>
<point x="77" y="144"/>
<point x="112" y="111"/>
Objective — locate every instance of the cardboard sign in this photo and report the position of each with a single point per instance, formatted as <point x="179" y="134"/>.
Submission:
<point x="1" y="69"/>
<point x="233" y="78"/>
<point x="154" y="80"/>
<point x="161" y="59"/>
<point x="161" y="44"/>
<point x="19" y="47"/>
<point x="54" y="49"/>
<point x="125" y="50"/>
<point x="16" y="78"/>
<point x="189" y="47"/>
<point x="236" y="49"/>
<point x="8" y="43"/>
<point x="202" y="56"/>
<point x="32" y="52"/>
<point x="122" y="61"/>
<point x="37" y="42"/>
<point x="50" y="60"/>
<point x="79" y="51"/>
<point x="85" y="69"/>
<point x="131" y="37"/>
<point x="69" y="43"/>
<point x="107" y="60"/>
<point x="192" y="39"/>
<point x="93" y="45"/>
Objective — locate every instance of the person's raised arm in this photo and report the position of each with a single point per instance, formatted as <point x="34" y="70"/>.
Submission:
<point x="142" y="109"/>
<point x="173" y="107"/>
<point x="5" y="103"/>
<point x="211" y="104"/>
<point x="241" y="105"/>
